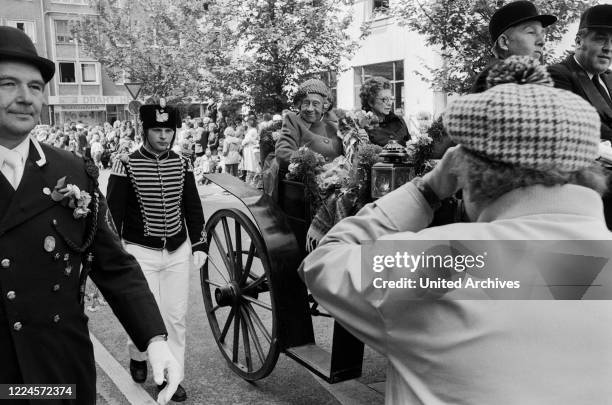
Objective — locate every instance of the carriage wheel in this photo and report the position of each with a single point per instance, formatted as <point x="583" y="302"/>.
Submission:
<point x="238" y="296"/>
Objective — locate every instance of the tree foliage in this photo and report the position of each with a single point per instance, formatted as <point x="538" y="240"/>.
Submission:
<point x="163" y="44"/>
<point x="182" y="48"/>
<point x="280" y="43"/>
<point x="459" y="29"/>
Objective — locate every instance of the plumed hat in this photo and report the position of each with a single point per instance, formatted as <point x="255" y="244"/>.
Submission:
<point x="16" y="45"/>
<point x="595" y="17"/>
<point x="516" y="13"/>
<point x="529" y="125"/>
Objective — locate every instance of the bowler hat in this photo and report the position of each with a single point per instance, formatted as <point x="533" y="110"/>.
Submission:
<point x="515" y="13"/>
<point x="16" y="45"/>
<point x="597" y="17"/>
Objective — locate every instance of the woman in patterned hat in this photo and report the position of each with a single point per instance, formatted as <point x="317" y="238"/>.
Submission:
<point x="375" y="95"/>
<point x="310" y="126"/>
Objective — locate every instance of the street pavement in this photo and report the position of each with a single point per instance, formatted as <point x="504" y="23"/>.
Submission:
<point x="208" y="379"/>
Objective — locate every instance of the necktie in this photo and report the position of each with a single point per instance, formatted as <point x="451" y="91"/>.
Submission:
<point x="12" y="168"/>
<point x="601" y="90"/>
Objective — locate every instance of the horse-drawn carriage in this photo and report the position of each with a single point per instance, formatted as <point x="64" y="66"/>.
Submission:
<point x="256" y="304"/>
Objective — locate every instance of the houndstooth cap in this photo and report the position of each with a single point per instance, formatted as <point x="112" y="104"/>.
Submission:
<point x="529" y="125"/>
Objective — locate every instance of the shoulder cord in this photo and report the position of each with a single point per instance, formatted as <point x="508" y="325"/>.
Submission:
<point x="92" y="228"/>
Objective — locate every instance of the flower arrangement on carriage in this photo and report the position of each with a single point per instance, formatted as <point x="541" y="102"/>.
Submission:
<point x="340" y="188"/>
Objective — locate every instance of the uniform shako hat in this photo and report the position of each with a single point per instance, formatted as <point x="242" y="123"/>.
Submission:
<point x="516" y="13"/>
<point x="16" y="45"/>
<point x="159" y="116"/>
<point x="531" y="125"/>
<point x="597" y="17"/>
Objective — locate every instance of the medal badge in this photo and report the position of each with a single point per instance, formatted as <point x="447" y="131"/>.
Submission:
<point x="49" y="244"/>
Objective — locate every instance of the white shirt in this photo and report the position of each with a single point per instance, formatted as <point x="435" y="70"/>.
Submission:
<point x="23" y="149"/>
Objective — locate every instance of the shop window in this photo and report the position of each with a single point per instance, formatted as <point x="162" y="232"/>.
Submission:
<point x="392" y="71"/>
<point x="62" y="32"/>
<point x="89" y="73"/>
<point x="66" y="70"/>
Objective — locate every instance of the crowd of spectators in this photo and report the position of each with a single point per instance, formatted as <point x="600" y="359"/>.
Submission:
<point x="229" y="145"/>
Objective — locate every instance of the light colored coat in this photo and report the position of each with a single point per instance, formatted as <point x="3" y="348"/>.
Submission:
<point x="445" y="351"/>
<point x="231" y="150"/>
<point x="250" y="150"/>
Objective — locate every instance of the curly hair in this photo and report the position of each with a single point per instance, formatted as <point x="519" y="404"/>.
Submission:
<point x="486" y="180"/>
<point x="369" y="90"/>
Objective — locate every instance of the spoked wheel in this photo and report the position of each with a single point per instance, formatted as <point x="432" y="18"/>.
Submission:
<point x="238" y="296"/>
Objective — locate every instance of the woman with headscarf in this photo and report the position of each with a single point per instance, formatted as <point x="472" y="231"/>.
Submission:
<point x="376" y="97"/>
<point x="310" y="126"/>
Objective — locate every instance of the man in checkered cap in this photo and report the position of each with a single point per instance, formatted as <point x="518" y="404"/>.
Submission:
<point x="525" y="161"/>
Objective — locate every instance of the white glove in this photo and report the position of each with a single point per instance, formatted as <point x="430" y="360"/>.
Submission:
<point x="199" y="258"/>
<point x="163" y="364"/>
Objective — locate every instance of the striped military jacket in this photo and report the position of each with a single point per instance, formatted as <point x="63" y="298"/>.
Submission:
<point x="154" y="200"/>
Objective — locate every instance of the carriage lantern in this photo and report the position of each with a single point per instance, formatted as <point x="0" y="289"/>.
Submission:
<point x="393" y="171"/>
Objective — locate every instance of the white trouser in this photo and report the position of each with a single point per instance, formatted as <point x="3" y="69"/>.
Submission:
<point x="168" y="276"/>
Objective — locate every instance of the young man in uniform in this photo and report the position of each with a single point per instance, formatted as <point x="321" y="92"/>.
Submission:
<point x="154" y="201"/>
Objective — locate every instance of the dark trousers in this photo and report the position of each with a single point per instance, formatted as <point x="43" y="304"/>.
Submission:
<point x="232" y="169"/>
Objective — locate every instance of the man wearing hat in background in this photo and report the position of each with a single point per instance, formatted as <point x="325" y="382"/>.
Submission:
<point x="154" y="201"/>
<point x="587" y="73"/>
<point x="517" y="28"/>
<point x="50" y="202"/>
<point x="524" y="178"/>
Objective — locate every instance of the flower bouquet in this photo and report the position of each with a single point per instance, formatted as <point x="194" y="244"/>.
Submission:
<point x="344" y="190"/>
<point x="419" y="150"/>
<point x="351" y="129"/>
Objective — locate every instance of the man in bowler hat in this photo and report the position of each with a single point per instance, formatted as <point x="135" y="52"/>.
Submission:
<point x="516" y="29"/>
<point x="50" y="202"/>
<point x="587" y="72"/>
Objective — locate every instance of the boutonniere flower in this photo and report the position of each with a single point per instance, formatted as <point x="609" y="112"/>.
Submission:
<point x="76" y="198"/>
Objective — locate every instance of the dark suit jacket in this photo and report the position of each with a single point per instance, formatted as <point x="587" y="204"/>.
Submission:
<point x="480" y="83"/>
<point x="570" y="76"/>
<point x="43" y="330"/>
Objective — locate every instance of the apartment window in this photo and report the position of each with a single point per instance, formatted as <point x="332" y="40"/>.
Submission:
<point x="62" y="32"/>
<point x="26" y="26"/>
<point x="89" y="73"/>
<point x="392" y="71"/>
<point x="66" y="70"/>
<point x="380" y="5"/>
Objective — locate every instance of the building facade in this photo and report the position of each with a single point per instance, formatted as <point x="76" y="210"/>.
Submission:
<point x="80" y="91"/>
<point x="393" y="52"/>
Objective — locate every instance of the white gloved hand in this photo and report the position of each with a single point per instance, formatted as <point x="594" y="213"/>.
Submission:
<point x="163" y="364"/>
<point x="199" y="258"/>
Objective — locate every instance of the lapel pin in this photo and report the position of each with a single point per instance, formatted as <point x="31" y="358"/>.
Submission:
<point x="46" y="191"/>
<point x="49" y="244"/>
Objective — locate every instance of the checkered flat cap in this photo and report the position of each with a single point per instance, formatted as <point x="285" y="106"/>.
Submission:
<point x="529" y="125"/>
